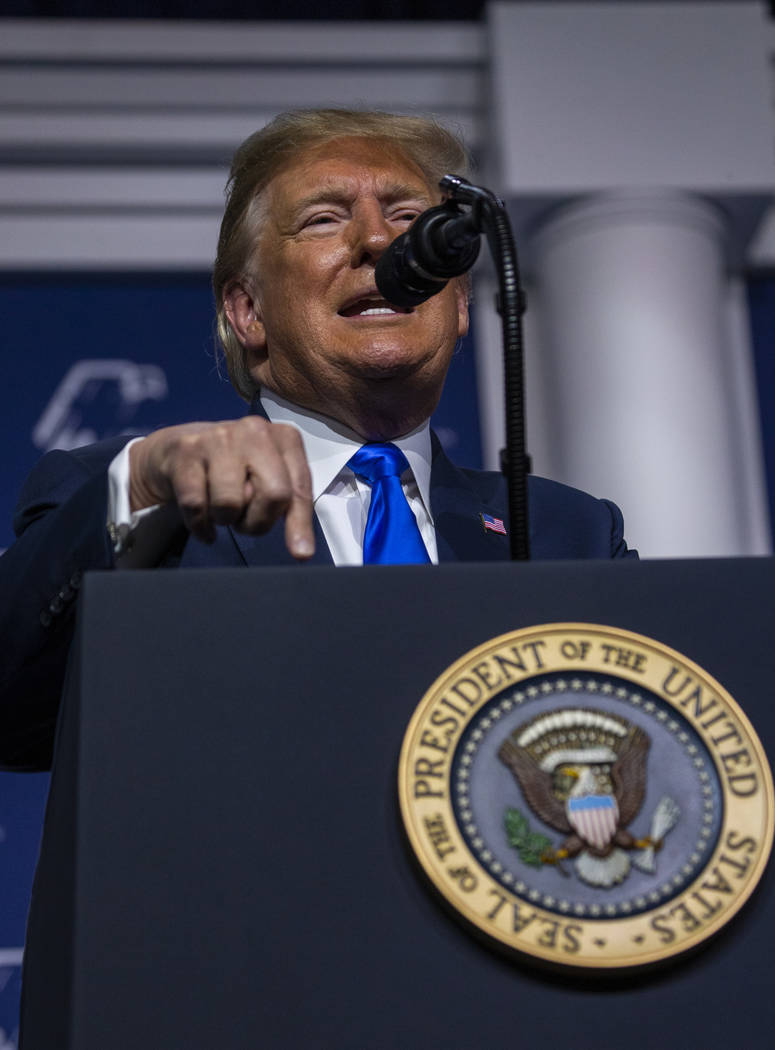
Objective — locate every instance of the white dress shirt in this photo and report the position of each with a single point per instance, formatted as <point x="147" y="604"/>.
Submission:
<point x="341" y="500"/>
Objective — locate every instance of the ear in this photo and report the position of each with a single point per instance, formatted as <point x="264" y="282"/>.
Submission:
<point x="461" y="293"/>
<point x="244" y="316"/>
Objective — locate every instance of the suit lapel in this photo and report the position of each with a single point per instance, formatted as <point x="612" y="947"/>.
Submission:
<point x="456" y="505"/>
<point x="270" y="549"/>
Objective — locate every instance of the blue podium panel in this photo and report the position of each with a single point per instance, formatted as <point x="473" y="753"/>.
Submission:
<point x="224" y="863"/>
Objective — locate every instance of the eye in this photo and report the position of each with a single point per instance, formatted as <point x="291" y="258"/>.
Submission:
<point x="406" y="215"/>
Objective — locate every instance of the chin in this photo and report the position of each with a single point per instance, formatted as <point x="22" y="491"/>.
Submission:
<point x="388" y="362"/>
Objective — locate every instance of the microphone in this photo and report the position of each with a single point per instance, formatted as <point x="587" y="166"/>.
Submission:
<point x="441" y="243"/>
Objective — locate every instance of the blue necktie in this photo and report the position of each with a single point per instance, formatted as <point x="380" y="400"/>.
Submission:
<point x="392" y="536"/>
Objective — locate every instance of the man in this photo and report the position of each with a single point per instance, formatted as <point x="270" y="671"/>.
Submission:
<point x="328" y="366"/>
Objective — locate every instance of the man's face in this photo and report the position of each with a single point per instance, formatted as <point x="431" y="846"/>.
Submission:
<point x="322" y="336"/>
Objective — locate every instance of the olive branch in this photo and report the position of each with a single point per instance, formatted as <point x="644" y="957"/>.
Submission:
<point x="531" y="845"/>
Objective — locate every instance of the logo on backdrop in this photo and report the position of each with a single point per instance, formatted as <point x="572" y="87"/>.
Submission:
<point x="586" y="796"/>
<point x="97" y="399"/>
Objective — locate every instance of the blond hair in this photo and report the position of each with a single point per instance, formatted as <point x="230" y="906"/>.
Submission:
<point x="433" y="148"/>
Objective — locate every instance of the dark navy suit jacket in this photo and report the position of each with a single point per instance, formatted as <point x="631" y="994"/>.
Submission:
<point x="60" y="524"/>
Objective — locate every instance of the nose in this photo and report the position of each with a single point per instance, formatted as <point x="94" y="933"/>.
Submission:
<point x="371" y="233"/>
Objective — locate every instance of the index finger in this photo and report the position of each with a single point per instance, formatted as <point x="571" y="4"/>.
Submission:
<point x="299" y="531"/>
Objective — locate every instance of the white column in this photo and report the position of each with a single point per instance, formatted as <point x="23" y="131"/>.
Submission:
<point x="646" y="387"/>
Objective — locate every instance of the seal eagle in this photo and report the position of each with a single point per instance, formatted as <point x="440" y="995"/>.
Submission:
<point x="584" y="774"/>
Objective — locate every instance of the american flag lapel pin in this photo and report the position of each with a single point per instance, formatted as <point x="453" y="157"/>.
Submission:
<point x="491" y="524"/>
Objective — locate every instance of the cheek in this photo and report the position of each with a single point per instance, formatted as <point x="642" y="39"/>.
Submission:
<point x="449" y="321"/>
<point x="313" y="267"/>
<point x="285" y="298"/>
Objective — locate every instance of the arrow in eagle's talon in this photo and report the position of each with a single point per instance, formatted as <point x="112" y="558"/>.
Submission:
<point x="648" y="842"/>
<point x="556" y="857"/>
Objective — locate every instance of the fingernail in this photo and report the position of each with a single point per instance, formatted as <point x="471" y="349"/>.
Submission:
<point x="303" y="547"/>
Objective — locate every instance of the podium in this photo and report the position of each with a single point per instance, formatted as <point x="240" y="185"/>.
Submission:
<point x="223" y="862"/>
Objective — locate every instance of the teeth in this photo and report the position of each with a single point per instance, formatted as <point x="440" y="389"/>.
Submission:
<point x="376" y="310"/>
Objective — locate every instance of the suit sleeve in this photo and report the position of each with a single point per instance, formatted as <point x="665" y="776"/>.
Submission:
<point x="619" y="548"/>
<point x="60" y="524"/>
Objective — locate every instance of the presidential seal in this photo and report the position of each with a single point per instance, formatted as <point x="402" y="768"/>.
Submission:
<point x="586" y="796"/>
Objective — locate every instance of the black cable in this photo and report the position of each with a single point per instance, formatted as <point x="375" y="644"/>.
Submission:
<point x="510" y="304"/>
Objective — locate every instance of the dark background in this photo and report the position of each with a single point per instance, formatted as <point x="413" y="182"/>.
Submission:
<point x="261" y="10"/>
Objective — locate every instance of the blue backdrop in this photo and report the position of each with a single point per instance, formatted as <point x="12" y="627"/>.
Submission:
<point x="84" y="357"/>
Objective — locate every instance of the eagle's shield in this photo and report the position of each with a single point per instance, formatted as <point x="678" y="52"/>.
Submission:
<point x="594" y="817"/>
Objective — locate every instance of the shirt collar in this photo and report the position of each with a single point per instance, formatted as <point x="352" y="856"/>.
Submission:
<point x="329" y="445"/>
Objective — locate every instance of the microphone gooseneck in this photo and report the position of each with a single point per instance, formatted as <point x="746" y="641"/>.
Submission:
<point x="442" y="243"/>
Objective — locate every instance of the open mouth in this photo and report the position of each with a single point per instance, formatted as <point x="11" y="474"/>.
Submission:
<point x="371" y="306"/>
